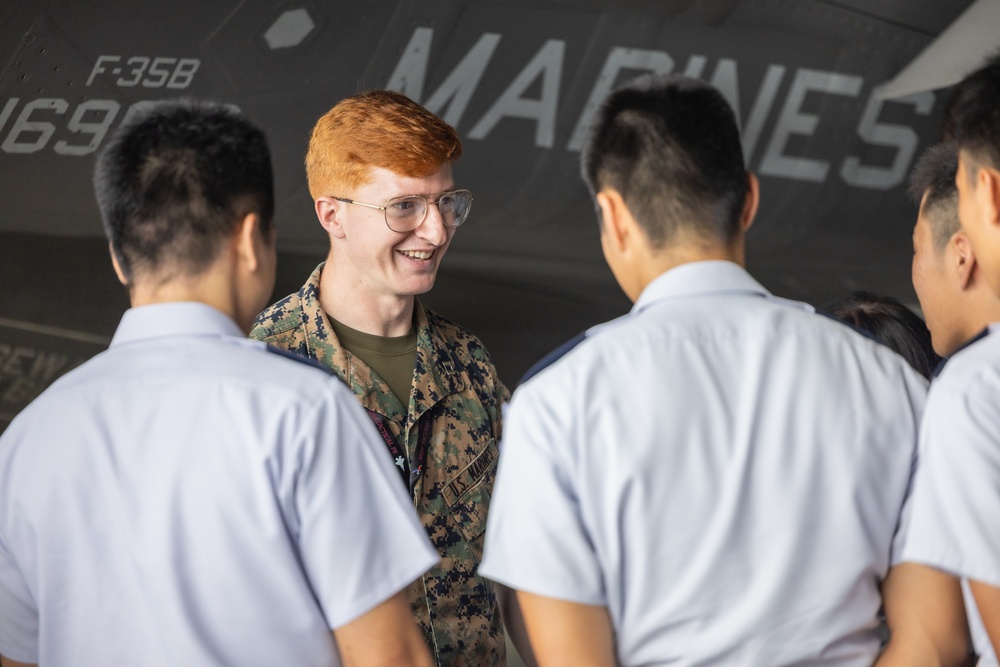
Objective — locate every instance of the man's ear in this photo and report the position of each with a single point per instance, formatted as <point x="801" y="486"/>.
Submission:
<point x="751" y="202"/>
<point x="250" y="240"/>
<point x="327" y="210"/>
<point x="122" y="278"/>
<point x="988" y="189"/>
<point x="615" y="217"/>
<point x="963" y="261"/>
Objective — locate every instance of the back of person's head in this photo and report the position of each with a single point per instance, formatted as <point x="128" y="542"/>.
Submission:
<point x="377" y="128"/>
<point x="670" y="146"/>
<point x="932" y="187"/>
<point x="972" y="119"/>
<point x="891" y="323"/>
<point x="175" y="180"/>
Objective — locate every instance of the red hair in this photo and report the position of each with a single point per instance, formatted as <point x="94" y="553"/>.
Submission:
<point x="377" y="128"/>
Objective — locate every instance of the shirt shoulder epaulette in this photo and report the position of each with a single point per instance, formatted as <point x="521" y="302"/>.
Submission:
<point x="975" y="339"/>
<point x="552" y="357"/>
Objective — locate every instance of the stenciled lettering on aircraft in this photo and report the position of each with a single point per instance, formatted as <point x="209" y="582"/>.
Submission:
<point x="547" y="63"/>
<point x="29" y="127"/>
<point x="452" y="97"/>
<point x="158" y="72"/>
<point x="90" y="122"/>
<point x="33" y="127"/>
<point x="903" y="138"/>
<point x="793" y="121"/>
<point x="25" y="372"/>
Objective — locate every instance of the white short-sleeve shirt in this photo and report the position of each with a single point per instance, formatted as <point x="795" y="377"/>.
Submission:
<point x="956" y="491"/>
<point x="187" y="498"/>
<point x="725" y="471"/>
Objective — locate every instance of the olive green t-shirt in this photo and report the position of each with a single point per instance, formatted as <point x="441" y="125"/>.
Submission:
<point x="391" y="357"/>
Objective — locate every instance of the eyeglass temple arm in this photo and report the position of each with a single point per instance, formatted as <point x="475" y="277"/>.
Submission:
<point x="359" y="203"/>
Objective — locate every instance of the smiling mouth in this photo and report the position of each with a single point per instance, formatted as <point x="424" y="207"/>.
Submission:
<point x="417" y="254"/>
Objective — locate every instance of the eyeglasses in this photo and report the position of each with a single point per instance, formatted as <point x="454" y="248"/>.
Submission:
<point x="406" y="213"/>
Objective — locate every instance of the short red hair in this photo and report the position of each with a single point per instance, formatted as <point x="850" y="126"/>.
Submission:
<point x="377" y="128"/>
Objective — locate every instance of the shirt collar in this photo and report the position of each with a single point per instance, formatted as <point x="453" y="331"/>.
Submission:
<point x="699" y="279"/>
<point x="991" y="329"/>
<point x="173" y="319"/>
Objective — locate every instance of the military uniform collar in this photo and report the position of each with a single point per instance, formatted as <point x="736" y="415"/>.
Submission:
<point x="435" y="374"/>
<point x="991" y="329"/>
<point x="178" y="318"/>
<point x="699" y="279"/>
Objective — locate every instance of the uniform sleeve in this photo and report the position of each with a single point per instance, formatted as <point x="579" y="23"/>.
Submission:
<point x="18" y="613"/>
<point x="956" y="490"/>
<point x="536" y="537"/>
<point x="916" y="391"/>
<point x="359" y="536"/>
<point x="905" y="521"/>
<point x="503" y="393"/>
<point x="503" y="398"/>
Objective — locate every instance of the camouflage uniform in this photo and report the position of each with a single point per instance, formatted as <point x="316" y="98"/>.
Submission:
<point x="454" y="376"/>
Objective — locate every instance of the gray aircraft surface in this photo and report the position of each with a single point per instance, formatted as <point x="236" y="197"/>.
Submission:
<point x="520" y="81"/>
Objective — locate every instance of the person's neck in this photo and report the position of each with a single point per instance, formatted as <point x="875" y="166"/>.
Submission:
<point x="980" y="312"/>
<point x="211" y="288"/>
<point x="378" y="315"/>
<point x="660" y="262"/>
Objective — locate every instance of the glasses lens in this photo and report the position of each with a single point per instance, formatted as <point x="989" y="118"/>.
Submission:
<point x="455" y="206"/>
<point x="404" y="214"/>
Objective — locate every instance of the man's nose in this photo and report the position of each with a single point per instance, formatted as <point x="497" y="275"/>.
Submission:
<point x="432" y="228"/>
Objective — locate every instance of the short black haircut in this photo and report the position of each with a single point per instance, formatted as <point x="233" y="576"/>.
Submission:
<point x="671" y="146"/>
<point x="174" y="181"/>
<point x="972" y="118"/>
<point x="891" y="323"/>
<point x="934" y="175"/>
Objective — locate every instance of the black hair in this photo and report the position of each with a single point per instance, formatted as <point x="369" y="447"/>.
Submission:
<point x="891" y="323"/>
<point x="671" y="146"/>
<point x="934" y="175"/>
<point x="972" y="118"/>
<point x="175" y="180"/>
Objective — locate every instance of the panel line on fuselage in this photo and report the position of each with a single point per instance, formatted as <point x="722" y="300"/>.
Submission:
<point x="32" y="327"/>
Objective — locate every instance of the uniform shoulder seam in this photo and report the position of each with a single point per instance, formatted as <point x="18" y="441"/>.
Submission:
<point x="263" y="330"/>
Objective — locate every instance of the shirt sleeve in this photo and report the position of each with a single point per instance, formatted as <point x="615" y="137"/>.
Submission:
<point x="916" y="391"/>
<point x="956" y="490"/>
<point x="905" y="520"/>
<point x="536" y="537"/>
<point x="18" y="614"/>
<point x="359" y="535"/>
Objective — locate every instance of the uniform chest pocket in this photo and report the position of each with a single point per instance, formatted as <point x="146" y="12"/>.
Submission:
<point x="468" y="496"/>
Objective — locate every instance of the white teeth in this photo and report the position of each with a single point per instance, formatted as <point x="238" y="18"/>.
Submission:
<point x="417" y="254"/>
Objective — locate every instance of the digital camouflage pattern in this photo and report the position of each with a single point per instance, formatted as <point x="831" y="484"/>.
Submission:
<point x="453" y="376"/>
